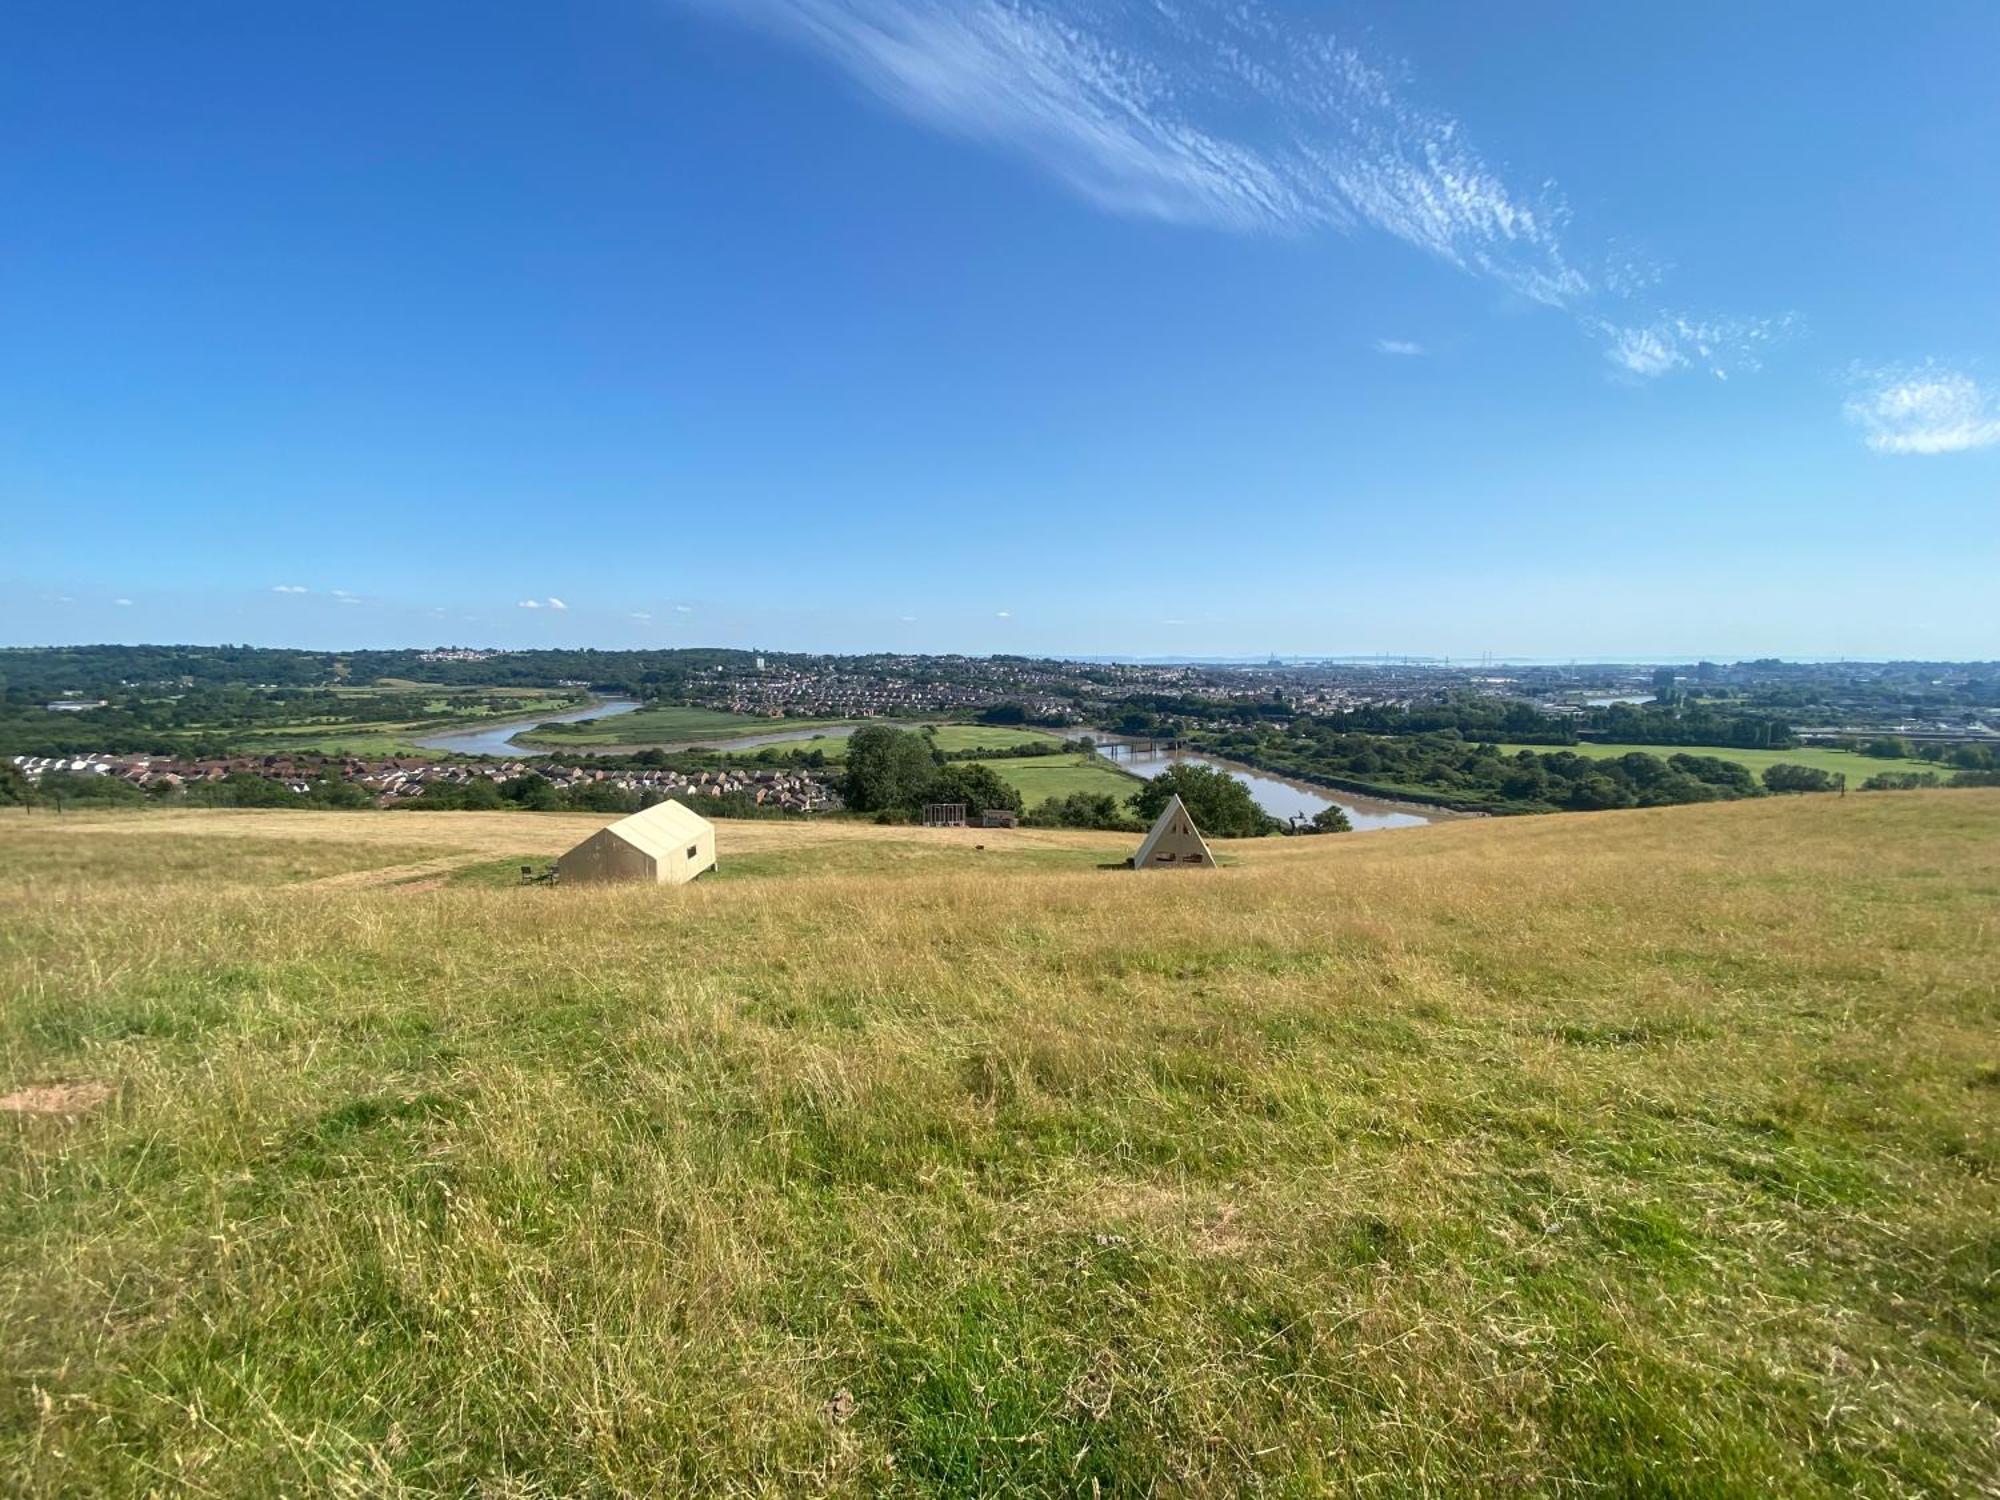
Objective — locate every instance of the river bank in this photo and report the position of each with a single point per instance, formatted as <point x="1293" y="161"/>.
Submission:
<point x="1283" y="796"/>
<point x="676" y="747"/>
<point x="498" y="739"/>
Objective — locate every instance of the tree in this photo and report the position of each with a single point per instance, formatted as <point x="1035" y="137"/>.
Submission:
<point x="1899" y="781"/>
<point x="977" y="786"/>
<point x="1595" y="793"/>
<point x="61" y="787"/>
<point x="1004" y="713"/>
<point x="1081" y="810"/>
<point x="244" y="789"/>
<point x="1728" y="777"/>
<point x="1330" y="819"/>
<point x="600" y="796"/>
<point x="1790" y="778"/>
<point x="887" y="770"/>
<point x="1219" y="803"/>
<point x="1888" y="747"/>
<point x="533" y="791"/>
<point x="337" y="792"/>
<point x="479" y="794"/>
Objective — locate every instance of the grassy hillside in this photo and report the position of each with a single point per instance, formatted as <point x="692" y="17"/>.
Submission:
<point x="1856" y="768"/>
<point x="1652" y="1152"/>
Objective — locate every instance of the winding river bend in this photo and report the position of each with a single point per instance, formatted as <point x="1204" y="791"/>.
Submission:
<point x="498" y="738"/>
<point x="1280" y="796"/>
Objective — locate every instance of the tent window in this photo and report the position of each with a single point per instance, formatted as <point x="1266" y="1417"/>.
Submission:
<point x="691" y="849"/>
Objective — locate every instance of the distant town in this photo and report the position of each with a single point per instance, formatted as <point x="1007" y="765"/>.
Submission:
<point x="395" y="728"/>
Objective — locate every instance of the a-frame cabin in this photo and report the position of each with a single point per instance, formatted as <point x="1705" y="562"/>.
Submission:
<point x="1175" y="843"/>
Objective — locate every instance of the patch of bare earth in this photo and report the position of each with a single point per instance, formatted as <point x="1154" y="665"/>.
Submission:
<point x="55" y="1098"/>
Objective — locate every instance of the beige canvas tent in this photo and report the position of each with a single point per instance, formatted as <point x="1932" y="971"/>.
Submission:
<point x="666" y="843"/>
<point x="1174" y="844"/>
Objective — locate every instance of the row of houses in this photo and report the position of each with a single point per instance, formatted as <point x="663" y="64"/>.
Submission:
<point x="1049" y="690"/>
<point x="789" y="790"/>
<point x="400" y="778"/>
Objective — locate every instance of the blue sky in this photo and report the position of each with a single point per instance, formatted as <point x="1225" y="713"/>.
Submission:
<point x="1552" y="329"/>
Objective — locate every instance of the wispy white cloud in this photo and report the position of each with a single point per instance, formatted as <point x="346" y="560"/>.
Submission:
<point x="340" y="593"/>
<point x="549" y="603"/>
<point x="1402" y="347"/>
<point x="122" y="603"/>
<point x="1225" y="117"/>
<point x="529" y="604"/>
<point x="643" y="616"/>
<point x="555" y="603"/>
<point x="289" y="588"/>
<point x="1003" y="614"/>
<point x="1240" y="117"/>
<point x="1675" y="341"/>
<point x="1924" y="408"/>
<point x="683" y="609"/>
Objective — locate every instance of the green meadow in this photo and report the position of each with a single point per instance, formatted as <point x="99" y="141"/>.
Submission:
<point x="663" y="724"/>
<point x="448" y="710"/>
<point x="951" y="738"/>
<point x="1649" y="1153"/>
<point x="1039" y="777"/>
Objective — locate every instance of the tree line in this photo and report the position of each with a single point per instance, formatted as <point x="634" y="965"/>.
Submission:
<point x="1479" y="776"/>
<point x="895" y="773"/>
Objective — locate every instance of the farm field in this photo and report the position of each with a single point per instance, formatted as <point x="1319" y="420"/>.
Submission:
<point x="1040" y="777"/>
<point x="957" y="737"/>
<point x="946" y="737"/>
<point x="1646" y="1152"/>
<point x="449" y="709"/>
<point x="665" y="724"/>
<point x="1857" y="768"/>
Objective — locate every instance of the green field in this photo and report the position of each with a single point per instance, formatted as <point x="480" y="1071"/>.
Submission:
<point x="946" y="737"/>
<point x="1856" y="768"/>
<point x="665" y="724"/>
<point x="958" y="737"/>
<point x="1645" y="1153"/>
<point x="1039" y="777"/>
<point x="448" y="710"/>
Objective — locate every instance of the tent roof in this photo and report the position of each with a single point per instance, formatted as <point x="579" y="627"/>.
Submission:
<point x="1160" y="826"/>
<point x="661" y="829"/>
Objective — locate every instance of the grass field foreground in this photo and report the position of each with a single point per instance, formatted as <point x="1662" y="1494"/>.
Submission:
<point x="1651" y="1152"/>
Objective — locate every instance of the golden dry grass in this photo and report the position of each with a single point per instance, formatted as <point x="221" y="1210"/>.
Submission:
<point x="1641" y="1152"/>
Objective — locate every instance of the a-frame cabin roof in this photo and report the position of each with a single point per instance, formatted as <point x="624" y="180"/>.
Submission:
<point x="1174" y="828"/>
